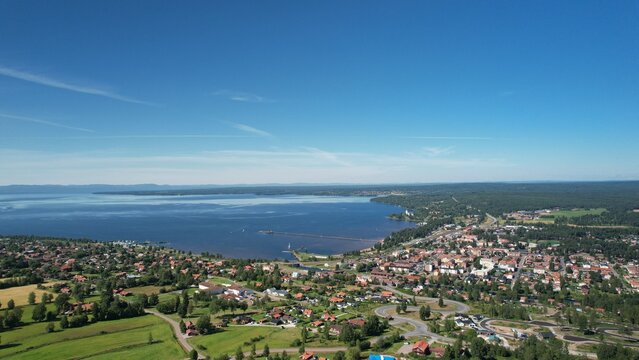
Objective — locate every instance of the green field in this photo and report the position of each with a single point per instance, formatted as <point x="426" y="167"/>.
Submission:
<point x="516" y="325"/>
<point x="19" y="294"/>
<point x="148" y="290"/>
<point x="120" y="339"/>
<point x="574" y="213"/>
<point x="226" y="342"/>
<point x="579" y="212"/>
<point x="550" y="218"/>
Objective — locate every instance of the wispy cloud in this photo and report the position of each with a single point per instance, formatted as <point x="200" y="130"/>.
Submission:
<point x="59" y="84"/>
<point x="326" y="156"/>
<point x="43" y="122"/>
<point x="242" y="166"/>
<point x="505" y="93"/>
<point x="242" y="96"/>
<point x="250" y="130"/>
<point x="447" y="137"/>
<point x="137" y="136"/>
<point x="438" y="151"/>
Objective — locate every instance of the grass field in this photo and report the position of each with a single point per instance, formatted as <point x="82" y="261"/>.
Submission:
<point x="19" y="294"/>
<point x="226" y="342"/>
<point x="515" y="325"/>
<point x="220" y="280"/>
<point x="148" y="290"/>
<point x="119" y="339"/>
<point x="550" y="218"/>
<point x="577" y="212"/>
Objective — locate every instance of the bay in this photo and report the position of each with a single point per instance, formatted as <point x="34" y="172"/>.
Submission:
<point x="227" y="224"/>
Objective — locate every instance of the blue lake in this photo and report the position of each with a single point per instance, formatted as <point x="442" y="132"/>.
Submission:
<point x="226" y="224"/>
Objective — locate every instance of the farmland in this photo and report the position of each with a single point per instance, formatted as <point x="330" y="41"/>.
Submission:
<point x="231" y="338"/>
<point x="122" y="339"/>
<point x="19" y="294"/>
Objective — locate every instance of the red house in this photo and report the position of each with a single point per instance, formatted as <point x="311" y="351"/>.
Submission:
<point x="421" y="348"/>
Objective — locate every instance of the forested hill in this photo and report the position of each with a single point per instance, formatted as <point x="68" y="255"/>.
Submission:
<point x="581" y="189"/>
<point x="618" y="198"/>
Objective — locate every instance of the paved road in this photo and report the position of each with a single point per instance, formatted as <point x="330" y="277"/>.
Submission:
<point x="459" y="307"/>
<point x="518" y="272"/>
<point x="421" y="329"/>
<point x="181" y="338"/>
<point x="293" y="351"/>
<point x="623" y="281"/>
<point x="493" y="220"/>
<point x="187" y="346"/>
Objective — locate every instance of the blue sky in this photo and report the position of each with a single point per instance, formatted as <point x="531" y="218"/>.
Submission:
<point x="318" y="91"/>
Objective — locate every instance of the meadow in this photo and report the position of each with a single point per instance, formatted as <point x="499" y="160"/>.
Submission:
<point x="120" y="339"/>
<point x="20" y="294"/>
<point x="227" y="341"/>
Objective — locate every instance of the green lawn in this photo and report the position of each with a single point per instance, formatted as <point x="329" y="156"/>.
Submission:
<point x="511" y="324"/>
<point x="218" y="280"/>
<point x="121" y="339"/>
<point x="550" y="218"/>
<point x="577" y="212"/>
<point x="226" y="342"/>
<point x="148" y="290"/>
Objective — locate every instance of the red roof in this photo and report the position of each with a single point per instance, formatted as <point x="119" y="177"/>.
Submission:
<point x="420" y="347"/>
<point x="307" y="355"/>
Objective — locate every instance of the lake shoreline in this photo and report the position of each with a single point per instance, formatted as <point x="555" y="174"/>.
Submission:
<point x="226" y="224"/>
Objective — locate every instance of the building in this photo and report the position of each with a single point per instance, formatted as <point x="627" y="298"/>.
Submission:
<point x="308" y="355"/>
<point x="421" y="348"/>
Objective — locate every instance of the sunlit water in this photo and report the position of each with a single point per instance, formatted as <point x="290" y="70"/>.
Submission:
<point x="226" y="224"/>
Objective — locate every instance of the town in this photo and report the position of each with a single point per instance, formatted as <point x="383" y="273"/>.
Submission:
<point x="482" y="286"/>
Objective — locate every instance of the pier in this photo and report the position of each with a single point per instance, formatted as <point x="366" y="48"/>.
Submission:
<point x="316" y="236"/>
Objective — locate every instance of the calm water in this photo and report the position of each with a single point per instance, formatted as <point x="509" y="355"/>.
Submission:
<point x="226" y="224"/>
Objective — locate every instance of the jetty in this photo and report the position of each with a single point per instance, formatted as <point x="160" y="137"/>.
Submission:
<point x="315" y="236"/>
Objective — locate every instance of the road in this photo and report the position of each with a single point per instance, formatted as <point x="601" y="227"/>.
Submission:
<point x="518" y="271"/>
<point x="421" y="329"/>
<point x="571" y="340"/>
<point x="493" y="220"/>
<point x="459" y="306"/>
<point x="181" y="338"/>
<point x="434" y="235"/>
<point x="293" y="351"/>
<point x="623" y="281"/>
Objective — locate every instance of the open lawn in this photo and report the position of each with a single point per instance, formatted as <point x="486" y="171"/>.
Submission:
<point x="148" y="290"/>
<point x="19" y="294"/>
<point x="120" y="339"/>
<point x="220" y="281"/>
<point x="511" y="324"/>
<point x="550" y="218"/>
<point x="226" y="342"/>
<point x="577" y="212"/>
<point x="307" y="256"/>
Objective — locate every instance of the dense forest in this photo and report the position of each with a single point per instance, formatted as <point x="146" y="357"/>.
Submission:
<point x="618" y="198"/>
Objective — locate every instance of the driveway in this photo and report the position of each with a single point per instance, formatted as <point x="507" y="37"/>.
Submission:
<point x="181" y="338"/>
